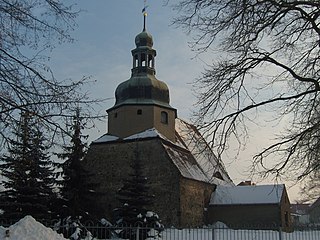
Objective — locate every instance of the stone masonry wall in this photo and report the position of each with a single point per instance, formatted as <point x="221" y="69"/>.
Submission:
<point x="110" y="163"/>
<point x="195" y="197"/>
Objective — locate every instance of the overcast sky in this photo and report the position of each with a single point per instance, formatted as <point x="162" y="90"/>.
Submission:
<point x="104" y="39"/>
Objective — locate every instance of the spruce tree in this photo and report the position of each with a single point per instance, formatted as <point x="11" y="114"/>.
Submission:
<point x="28" y="174"/>
<point x="135" y="195"/>
<point x="77" y="195"/>
<point x="136" y="203"/>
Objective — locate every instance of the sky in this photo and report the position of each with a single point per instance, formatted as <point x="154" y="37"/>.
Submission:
<point x="104" y="39"/>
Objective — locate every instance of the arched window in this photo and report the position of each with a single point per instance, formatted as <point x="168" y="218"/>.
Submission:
<point x="139" y="112"/>
<point x="150" y="61"/>
<point x="164" y="117"/>
<point x="143" y="60"/>
<point x="135" y="61"/>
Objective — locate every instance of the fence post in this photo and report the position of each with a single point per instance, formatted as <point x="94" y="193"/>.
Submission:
<point x="212" y="233"/>
<point x="280" y="233"/>
<point x="137" y="233"/>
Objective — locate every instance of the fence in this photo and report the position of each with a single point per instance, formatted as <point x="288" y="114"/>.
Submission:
<point x="101" y="232"/>
<point x="206" y="233"/>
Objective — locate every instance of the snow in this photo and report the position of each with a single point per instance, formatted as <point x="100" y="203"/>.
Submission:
<point x="29" y="229"/>
<point x="105" y="222"/>
<point x="195" y="161"/>
<point x="105" y="138"/>
<point x="257" y="194"/>
<point x="149" y="133"/>
<point x="145" y="134"/>
<point x="191" y="139"/>
<point x="186" y="164"/>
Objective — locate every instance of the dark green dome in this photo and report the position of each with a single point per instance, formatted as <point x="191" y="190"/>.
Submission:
<point x="144" y="89"/>
<point x="144" y="39"/>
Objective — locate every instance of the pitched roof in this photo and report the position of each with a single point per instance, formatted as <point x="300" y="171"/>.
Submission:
<point x="242" y="195"/>
<point x="190" y="154"/>
<point x="191" y="139"/>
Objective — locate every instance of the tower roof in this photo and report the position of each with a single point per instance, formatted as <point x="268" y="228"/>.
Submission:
<point x="144" y="39"/>
<point x="143" y="87"/>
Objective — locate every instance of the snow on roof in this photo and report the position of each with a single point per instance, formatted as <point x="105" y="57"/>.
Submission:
<point x="198" y="162"/>
<point x="191" y="139"/>
<point x="145" y="134"/>
<point x="238" y="195"/>
<point x="105" y="138"/>
<point x="186" y="164"/>
<point x="29" y="228"/>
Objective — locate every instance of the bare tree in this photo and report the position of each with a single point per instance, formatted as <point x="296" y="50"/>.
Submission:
<point x="28" y="30"/>
<point x="267" y="59"/>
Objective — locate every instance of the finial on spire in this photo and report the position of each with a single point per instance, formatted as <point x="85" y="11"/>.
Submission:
<point x="144" y="12"/>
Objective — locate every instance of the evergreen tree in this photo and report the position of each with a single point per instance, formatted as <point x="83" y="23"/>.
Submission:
<point x="136" y="201"/>
<point x="134" y="195"/>
<point x="77" y="195"/>
<point x="135" y="198"/>
<point x="28" y="174"/>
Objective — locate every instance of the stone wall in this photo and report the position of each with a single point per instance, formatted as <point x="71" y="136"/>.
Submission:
<point x="195" y="197"/>
<point x="285" y="211"/>
<point x="110" y="163"/>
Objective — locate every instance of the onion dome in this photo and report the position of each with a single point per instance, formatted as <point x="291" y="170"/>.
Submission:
<point x="143" y="90"/>
<point x="144" y="39"/>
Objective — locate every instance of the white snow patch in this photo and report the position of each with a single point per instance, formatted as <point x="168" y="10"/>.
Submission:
<point x="220" y="225"/>
<point x="207" y="164"/>
<point x="145" y="134"/>
<point x="106" y="138"/>
<point x="187" y="167"/>
<point x="105" y="222"/>
<point x="152" y="132"/>
<point x="29" y="229"/>
<point x="257" y="194"/>
<point x="190" y="138"/>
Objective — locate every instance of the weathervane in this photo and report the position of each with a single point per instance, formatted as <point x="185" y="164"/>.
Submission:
<point x="144" y="12"/>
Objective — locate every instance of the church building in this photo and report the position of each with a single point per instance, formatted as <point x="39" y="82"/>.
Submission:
<point x="181" y="168"/>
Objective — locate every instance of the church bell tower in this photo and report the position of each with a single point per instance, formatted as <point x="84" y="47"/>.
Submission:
<point x="142" y="102"/>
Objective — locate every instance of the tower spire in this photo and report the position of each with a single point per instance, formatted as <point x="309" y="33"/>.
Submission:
<point x="144" y="12"/>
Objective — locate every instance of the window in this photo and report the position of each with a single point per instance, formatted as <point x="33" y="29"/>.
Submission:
<point x="143" y="60"/>
<point x="164" y="117"/>
<point x="139" y="112"/>
<point x="115" y="115"/>
<point x="136" y="61"/>
<point x="150" y="61"/>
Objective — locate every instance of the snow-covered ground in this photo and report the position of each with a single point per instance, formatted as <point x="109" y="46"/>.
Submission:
<point x="29" y="229"/>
